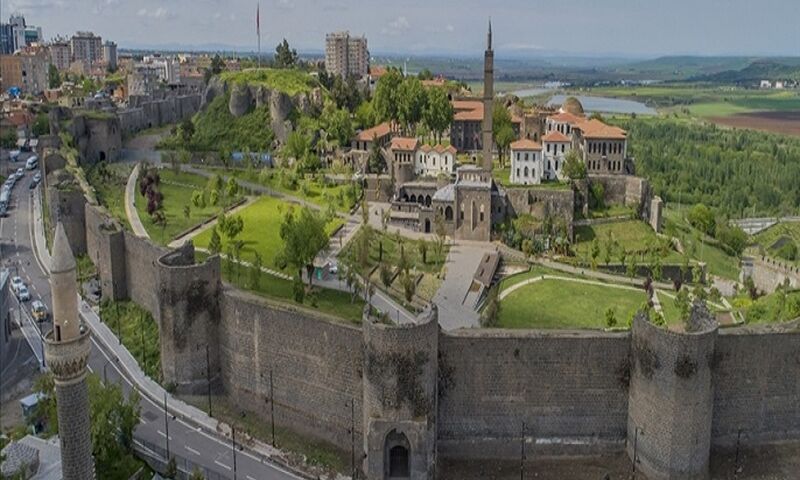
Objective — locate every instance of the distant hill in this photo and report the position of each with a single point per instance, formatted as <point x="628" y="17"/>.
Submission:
<point x="765" y="69"/>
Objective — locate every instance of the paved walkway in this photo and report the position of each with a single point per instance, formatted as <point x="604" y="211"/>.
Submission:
<point x="584" y="281"/>
<point x="130" y="207"/>
<point x="460" y="267"/>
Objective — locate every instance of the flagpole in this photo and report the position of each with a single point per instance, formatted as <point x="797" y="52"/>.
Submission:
<point x="258" y="32"/>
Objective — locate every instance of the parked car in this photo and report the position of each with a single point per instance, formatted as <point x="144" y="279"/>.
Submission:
<point x="16" y="282"/>
<point x="20" y="173"/>
<point x="32" y="185"/>
<point x="38" y="177"/>
<point x="23" y="294"/>
<point x="39" y="311"/>
<point x="32" y="163"/>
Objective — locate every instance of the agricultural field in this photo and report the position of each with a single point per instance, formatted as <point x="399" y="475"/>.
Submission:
<point x="177" y="189"/>
<point x="262" y="221"/>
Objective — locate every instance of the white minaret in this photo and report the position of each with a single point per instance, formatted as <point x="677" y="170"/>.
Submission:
<point x="67" y="349"/>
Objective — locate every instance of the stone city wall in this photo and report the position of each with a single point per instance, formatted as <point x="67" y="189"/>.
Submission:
<point x="316" y="366"/>
<point x="141" y="272"/>
<point x="155" y="113"/>
<point x="770" y="273"/>
<point x="105" y="245"/>
<point x="570" y="389"/>
<point x="542" y="202"/>
<point x="756" y="387"/>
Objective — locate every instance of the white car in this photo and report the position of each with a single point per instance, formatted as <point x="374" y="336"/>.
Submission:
<point x="16" y="282"/>
<point x="23" y="294"/>
<point x="20" y="173"/>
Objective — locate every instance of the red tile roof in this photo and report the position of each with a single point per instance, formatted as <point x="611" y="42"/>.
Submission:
<point x="380" y="130"/>
<point x="596" y="129"/>
<point x="555" y="136"/>
<point x="405" y="144"/>
<point x="525" y="144"/>
<point x="565" y="117"/>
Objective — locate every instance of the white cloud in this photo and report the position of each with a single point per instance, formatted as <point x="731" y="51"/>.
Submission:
<point x="396" y="26"/>
<point x="450" y="28"/>
<point x="159" y="13"/>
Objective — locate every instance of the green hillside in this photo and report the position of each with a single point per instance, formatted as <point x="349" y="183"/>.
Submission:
<point x="288" y="81"/>
<point x="217" y="129"/>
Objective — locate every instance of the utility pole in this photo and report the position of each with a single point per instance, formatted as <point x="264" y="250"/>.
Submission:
<point x="166" y="423"/>
<point x="353" y="436"/>
<point x="635" y="445"/>
<point x="522" y="454"/>
<point x="208" y="382"/>
<point x="141" y="330"/>
<point x="736" y="462"/>
<point x="272" y="408"/>
<point x="233" y="446"/>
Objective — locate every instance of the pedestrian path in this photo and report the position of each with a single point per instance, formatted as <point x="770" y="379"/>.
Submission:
<point x="130" y="207"/>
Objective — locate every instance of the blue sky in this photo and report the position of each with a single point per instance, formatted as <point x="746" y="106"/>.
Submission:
<point x="581" y="27"/>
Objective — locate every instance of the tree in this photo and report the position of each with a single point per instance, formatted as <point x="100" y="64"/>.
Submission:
<point x="232" y="188"/>
<point x="611" y="317"/>
<point x="491" y="310"/>
<point x="113" y="419"/>
<point x="411" y="99"/>
<point x="187" y="130"/>
<point x="423" y="250"/>
<point x="384" y="101"/>
<point x="425" y="74"/>
<point x="41" y="125"/>
<point x="337" y="123"/>
<point x="303" y="236"/>
<point x="214" y="244"/>
<point x="285" y="57"/>
<point x="438" y="114"/>
<point x="409" y="285"/>
<point x="594" y="253"/>
<point x="376" y="163"/>
<point x="199" y="199"/>
<point x="683" y="304"/>
<point x="574" y="167"/>
<point x="187" y="211"/>
<point x="502" y="129"/>
<point x="365" y="115"/>
<point x="53" y="77"/>
<point x="8" y="138"/>
<point x="213" y="197"/>
<point x="214" y="183"/>
<point x="197" y="475"/>
<point x="297" y="147"/>
<point x="702" y="218"/>
<point x="217" y="65"/>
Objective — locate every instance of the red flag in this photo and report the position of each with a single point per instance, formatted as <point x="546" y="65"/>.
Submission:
<point x="258" y="22"/>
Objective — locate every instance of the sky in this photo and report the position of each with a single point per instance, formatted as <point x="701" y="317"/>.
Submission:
<point x="636" y="28"/>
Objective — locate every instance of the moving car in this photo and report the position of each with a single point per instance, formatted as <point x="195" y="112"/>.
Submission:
<point x="32" y="163"/>
<point x="20" y="173"/>
<point x="39" y="311"/>
<point x="23" y="294"/>
<point x="16" y="282"/>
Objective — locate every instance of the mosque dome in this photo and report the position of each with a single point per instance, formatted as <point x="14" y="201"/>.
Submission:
<point x="572" y="105"/>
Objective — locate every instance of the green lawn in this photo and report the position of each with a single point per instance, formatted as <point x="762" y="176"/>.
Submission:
<point x="634" y="235"/>
<point x="553" y="303"/>
<point x="262" y="221"/>
<point x="332" y="302"/>
<point x="391" y="245"/>
<point x="138" y="332"/>
<point x="342" y="196"/>
<point x="177" y="190"/>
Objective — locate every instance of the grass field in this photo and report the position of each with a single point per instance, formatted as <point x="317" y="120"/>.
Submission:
<point x="698" y="246"/>
<point x="773" y="308"/>
<point x="288" y="81"/>
<point x="635" y="236"/>
<point x="177" y="190"/>
<point x="579" y="305"/>
<point x="391" y="252"/>
<point x="341" y="196"/>
<point x="332" y="302"/>
<point x="262" y="221"/>
<point x="138" y="332"/>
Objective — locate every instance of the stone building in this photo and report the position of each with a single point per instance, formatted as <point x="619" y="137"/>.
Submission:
<point x="346" y="56"/>
<point x="67" y="349"/>
<point x="60" y="54"/>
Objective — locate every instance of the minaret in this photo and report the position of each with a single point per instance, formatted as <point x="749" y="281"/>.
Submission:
<point x="488" y="101"/>
<point x="67" y="350"/>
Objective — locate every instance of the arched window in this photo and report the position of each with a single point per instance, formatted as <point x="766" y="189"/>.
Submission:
<point x="397" y="456"/>
<point x="448" y="213"/>
<point x="526" y="172"/>
<point x="427" y="200"/>
<point x="413" y="198"/>
<point x="481" y="218"/>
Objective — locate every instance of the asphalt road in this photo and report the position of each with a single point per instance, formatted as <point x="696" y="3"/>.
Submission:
<point x="213" y="454"/>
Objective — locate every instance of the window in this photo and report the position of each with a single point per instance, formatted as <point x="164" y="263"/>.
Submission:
<point x="562" y="148"/>
<point x="517" y="172"/>
<point x="526" y="156"/>
<point x="481" y="214"/>
<point x="526" y="172"/>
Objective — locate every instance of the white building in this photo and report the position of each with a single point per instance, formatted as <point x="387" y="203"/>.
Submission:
<point x="555" y="146"/>
<point x="526" y="162"/>
<point x="432" y="161"/>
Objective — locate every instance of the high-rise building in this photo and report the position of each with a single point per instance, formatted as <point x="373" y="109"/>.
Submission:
<point x="110" y="55"/>
<point x="86" y="46"/>
<point x="345" y="55"/>
<point x="60" y="54"/>
<point x="6" y="39"/>
<point x="67" y="349"/>
<point x="17" y="23"/>
<point x="25" y="69"/>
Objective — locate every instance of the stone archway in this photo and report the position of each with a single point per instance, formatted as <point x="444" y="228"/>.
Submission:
<point x="427" y="200"/>
<point x="427" y="225"/>
<point x="413" y="198"/>
<point x="448" y="213"/>
<point x="397" y="456"/>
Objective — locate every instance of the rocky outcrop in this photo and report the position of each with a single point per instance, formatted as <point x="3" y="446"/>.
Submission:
<point x="245" y="97"/>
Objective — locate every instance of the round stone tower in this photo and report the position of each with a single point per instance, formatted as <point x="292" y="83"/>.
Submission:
<point x="400" y="390"/>
<point x="671" y="397"/>
<point x="67" y="350"/>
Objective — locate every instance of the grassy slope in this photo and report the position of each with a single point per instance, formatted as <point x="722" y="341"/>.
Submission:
<point x="288" y="81"/>
<point x="216" y="129"/>
<point x="111" y="193"/>
<point x="768" y="237"/>
<point x="262" y="221"/>
<point x="698" y="246"/>
<point x="177" y="190"/>
<point x="139" y="334"/>
<point x="579" y="305"/>
<point x="636" y="236"/>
